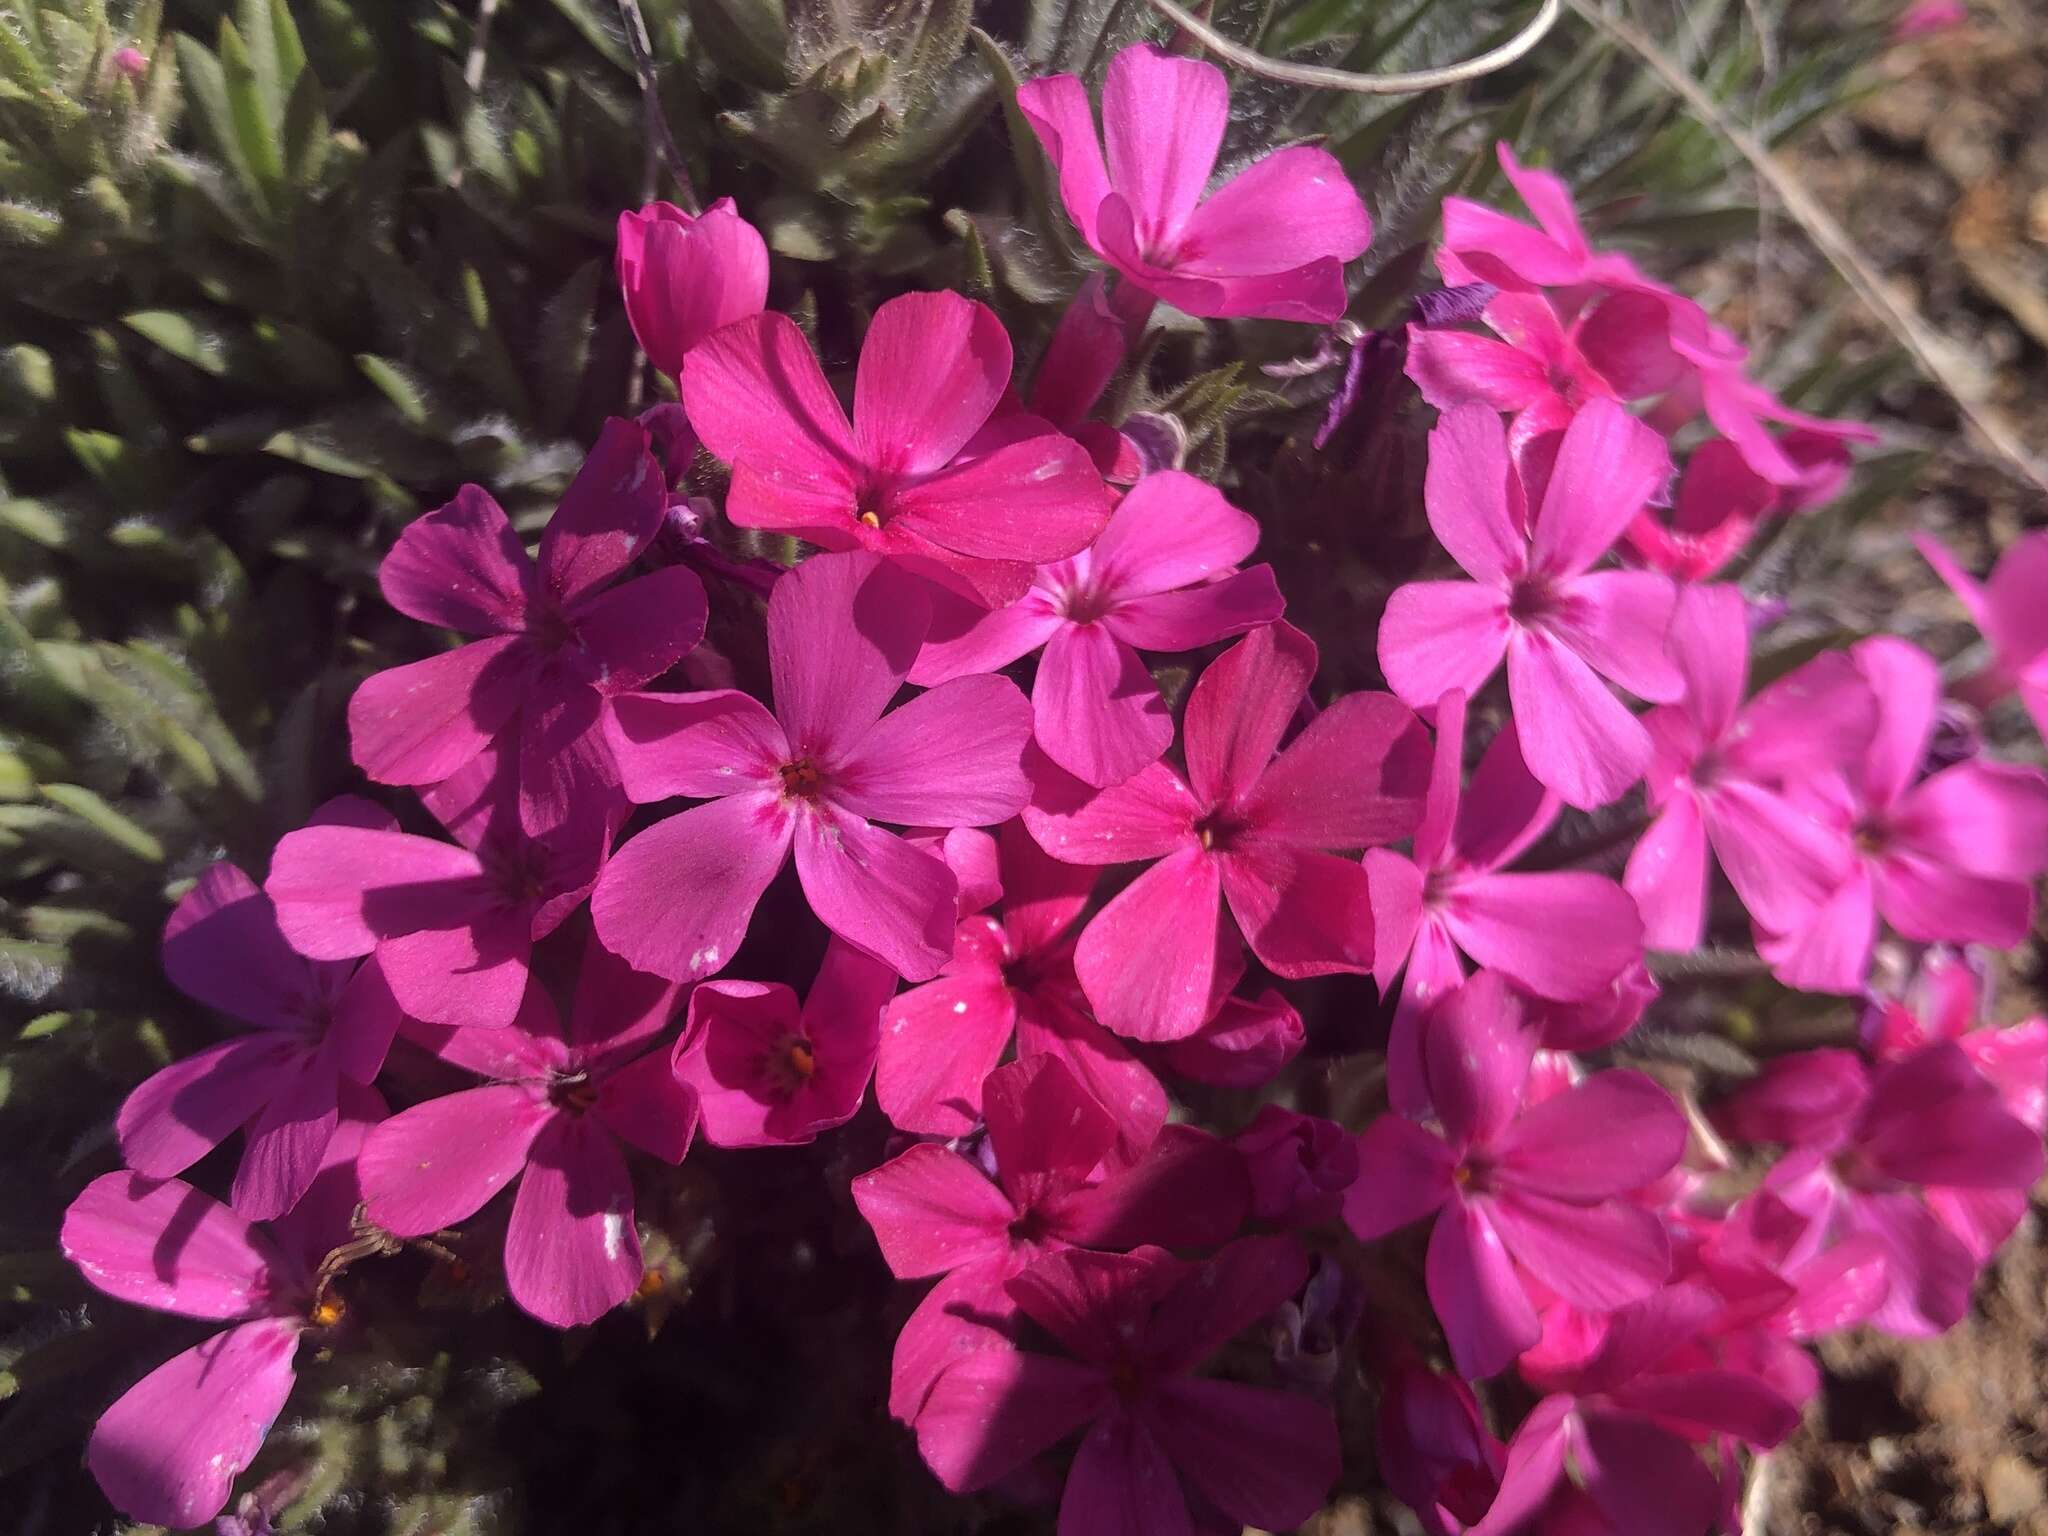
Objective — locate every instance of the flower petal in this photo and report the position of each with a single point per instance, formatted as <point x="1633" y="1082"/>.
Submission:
<point x="1262" y="1456"/>
<point x="1095" y="709"/>
<point x="1056" y="107"/>
<point x="1148" y="815"/>
<point x="951" y="757"/>
<point x="441" y="1161"/>
<point x="1162" y="121"/>
<point x="1439" y="635"/>
<point x="608" y="514"/>
<point x="1614" y="1132"/>
<point x="1036" y="500"/>
<point x="843" y="631"/>
<point x="177" y="1115"/>
<point x="757" y="397"/>
<point x="1356" y="777"/>
<point x="1198" y="615"/>
<point x="1240" y="707"/>
<point x="1510" y="923"/>
<point x="1147" y="959"/>
<point x="938" y="1042"/>
<point x="1465" y="489"/>
<point x="877" y="892"/>
<point x="993" y="1410"/>
<point x="571" y="1252"/>
<point x="932" y="367"/>
<point x="166" y="1246"/>
<point x="1617" y="622"/>
<point x="1608" y="467"/>
<point x="932" y="1211"/>
<point x="419" y="723"/>
<point x="1477" y="1295"/>
<point x="461" y="567"/>
<point x="1596" y="1256"/>
<point x="676" y="899"/>
<point x="1576" y="736"/>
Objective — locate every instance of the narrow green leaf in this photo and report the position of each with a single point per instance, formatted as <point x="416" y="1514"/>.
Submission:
<point x="256" y="123"/>
<point x="104" y="819"/>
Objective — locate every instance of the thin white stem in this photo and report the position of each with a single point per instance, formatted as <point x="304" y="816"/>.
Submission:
<point x="1322" y="77"/>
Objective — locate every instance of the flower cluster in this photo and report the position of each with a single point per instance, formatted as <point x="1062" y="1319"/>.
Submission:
<point x="1051" y="926"/>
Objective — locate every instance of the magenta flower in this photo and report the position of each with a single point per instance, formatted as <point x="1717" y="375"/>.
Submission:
<point x="1435" y="1451"/>
<point x="559" y="1104"/>
<point x="317" y="1025"/>
<point x="1805" y="463"/>
<point x="1010" y="977"/>
<point x="769" y="1072"/>
<point x="1087" y="348"/>
<point x="1542" y="371"/>
<point x="1718" y="774"/>
<point x="815" y="775"/>
<point x="170" y="1448"/>
<point x="1950" y="858"/>
<point x="1535" y="599"/>
<point x="1270" y="242"/>
<point x="1483" y="245"/>
<point x="1945" y="1003"/>
<point x="1165" y="1449"/>
<point x="2008" y="611"/>
<point x="1300" y="1166"/>
<point x="1245" y="826"/>
<point x="1244" y="1044"/>
<point x="1720" y="500"/>
<point x="452" y="925"/>
<point x="1162" y="577"/>
<point x="1458" y="897"/>
<point x="1622" y="1435"/>
<point x="558" y="643"/>
<point x="684" y="276"/>
<point x="1059" y="1183"/>
<point x="922" y="474"/>
<point x="1517" y="1187"/>
<point x="1919" y="1124"/>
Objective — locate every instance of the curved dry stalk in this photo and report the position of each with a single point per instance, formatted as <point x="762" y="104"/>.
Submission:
<point x="1925" y="344"/>
<point x="641" y="46"/>
<point x="1322" y="77"/>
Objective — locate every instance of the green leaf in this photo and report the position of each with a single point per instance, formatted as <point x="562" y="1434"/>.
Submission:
<point x="563" y="344"/>
<point x="193" y="338"/>
<point x="257" y="116"/>
<point x="307" y="135"/>
<point x="105" y="820"/>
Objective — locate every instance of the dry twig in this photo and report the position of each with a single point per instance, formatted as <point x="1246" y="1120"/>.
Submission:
<point x="1322" y="77"/>
<point x="642" y="48"/>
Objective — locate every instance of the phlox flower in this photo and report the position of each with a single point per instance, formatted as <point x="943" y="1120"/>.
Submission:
<point x="685" y="275"/>
<point x="1483" y="245"/>
<point x="1806" y="462"/>
<point x="1515" y="1186"/>
<point x="1300" y="1166"/>
<point x="1719" y="770"/>
<point x="1245" y="826"/>
<point x="813" y="775"/>
<point x="1165" y="1449"/>
<point x="1535" y="599"/>
<point x="1244" y="1044"/>
<point x="1458" y="897"/>
<point x="315" y="1027"/>
<point x="1011" y="977"/>
<point x="1945" y="1002"/>
<point x="2009" y="612"/>
<point x="170" y="1448"/>
<point x="1720" y="500"/>
<point x="1059" y="1182"/>
<point x="1271" y="241"/>
<point x="923" y="473"/>
<point x="770" y="1072"/>
<point x="1435" y="1451"/>
<point x="452" y="925"/>
<point x="1948" y="858"/>
<point x="1542" y="370"/>
<point x="561" y="1100"/>
<point x="559" y="638"/>
<point x="1615" y="1446"/>
<point x="1162" y="577"/>
<point x="1868" y="1166"/>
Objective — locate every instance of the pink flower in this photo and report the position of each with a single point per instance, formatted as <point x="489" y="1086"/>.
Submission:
<point x="770" y="1073"/>
<point x="1456" y="897"/>
<point x="922" y="474"/>
<point x="1944" y="1003"/>
<point x="1435" y="1451"/>
<point x="1806" y="463"/>
<point x="684" y="276"/>
<point x="1719" y="771"/>
<point x="559" y="1104"/>
<point x="1951" y="858"/>
<point x="815" y="774"/>
<point x="1924" y="18"/>
<point x="1721" y="500"/>
<point x="1244" y="825"/>
<point x="1482" y="245"/>
<point x="453" y="925"/>
<point x="1059" y="1182"/>
<point x="1542" y="371"/>
<point x="1622" y="1434"/>
<point x="1010" y="977"/>
<point x="1165" y="1449"/>
<point x="1517" y="1187"/>
<point x="1162" y="577"/>
<point x="1300" y="1166"/>
<point x="1535" y="598"/>
<point x="1087" y="348"/>
<point x="1244" y="1044"/>
<point x="317" y="1025"/>
<point x="2008" y="611"/>
<point x="170" y="1448"/>
<point x="1271" y="241"/>
<point x="131" y="61"/>
<point x="558" y="643"/>
<point x="1921" y="1137"/>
